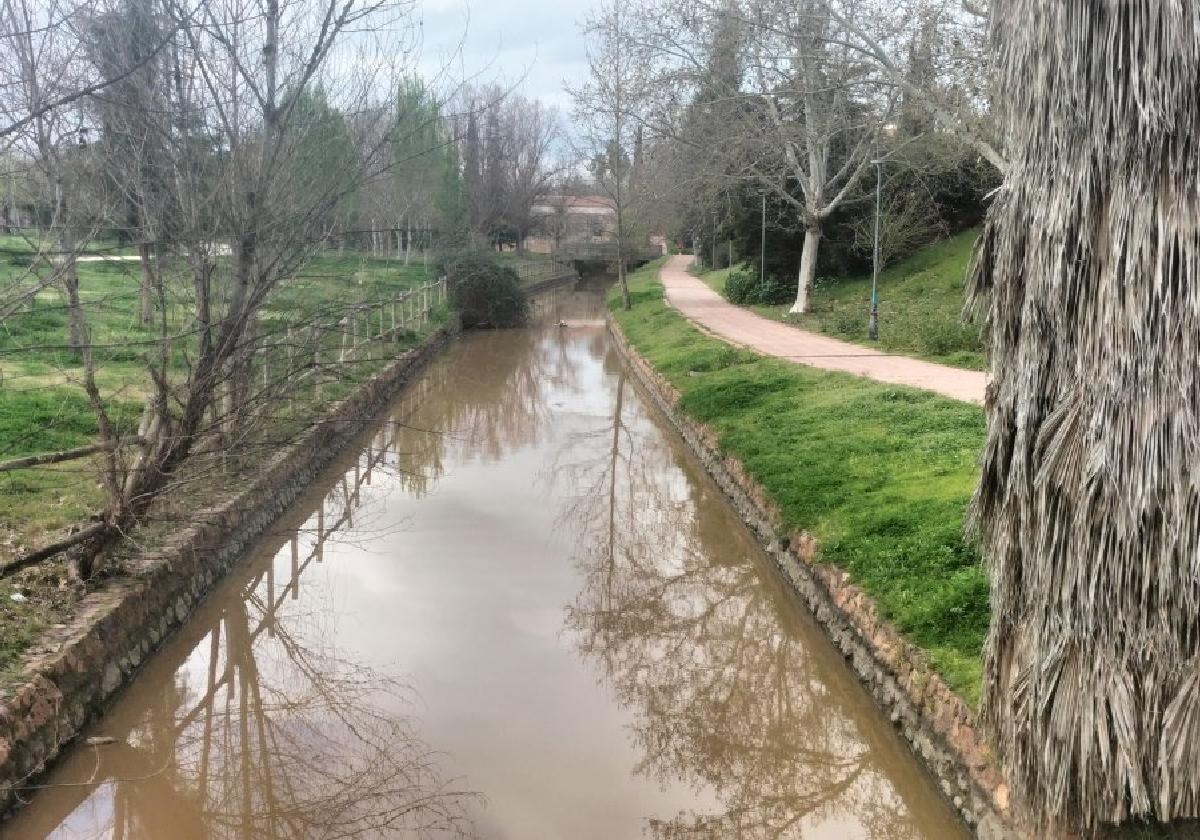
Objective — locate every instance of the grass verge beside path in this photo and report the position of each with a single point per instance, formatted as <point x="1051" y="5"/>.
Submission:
<point x="880" y="475"/>
<point x="920" y="306"/>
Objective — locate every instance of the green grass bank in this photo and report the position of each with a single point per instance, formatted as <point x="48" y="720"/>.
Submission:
<point x="879" y="475"/>
<point x="44" y="409"/>
<point x="920" y="306"/>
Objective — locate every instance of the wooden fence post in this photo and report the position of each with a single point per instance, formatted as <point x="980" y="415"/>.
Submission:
<point x="318" y="374"/>
<point x="270" y="616"/>
<point x="295" y="567"/>
<point x="321" y="531"/>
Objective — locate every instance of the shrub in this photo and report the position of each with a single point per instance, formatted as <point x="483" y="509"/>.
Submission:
<point x="848" y="323"/>
<point x="747" y="288"/>
<point x="485" y="292"/>
<point x="941" y="338"/>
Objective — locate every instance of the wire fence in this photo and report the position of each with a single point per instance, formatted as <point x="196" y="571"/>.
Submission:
<point x="288" y="358"/>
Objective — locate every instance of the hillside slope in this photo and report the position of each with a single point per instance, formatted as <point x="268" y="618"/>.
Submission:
<point x="920" y="306"/>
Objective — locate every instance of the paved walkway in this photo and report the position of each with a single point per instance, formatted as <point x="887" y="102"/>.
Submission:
<point x="737" y="325"/>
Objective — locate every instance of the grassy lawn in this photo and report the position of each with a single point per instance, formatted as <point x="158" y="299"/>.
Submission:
<point x="43" y="408"/>
<point x="880" y="475"/>
<point x="920" y="306"/>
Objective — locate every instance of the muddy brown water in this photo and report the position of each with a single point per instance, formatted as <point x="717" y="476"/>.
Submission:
<point x="519" y="611"/>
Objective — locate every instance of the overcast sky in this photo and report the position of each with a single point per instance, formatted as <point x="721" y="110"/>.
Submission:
<point x="535" y="44"/>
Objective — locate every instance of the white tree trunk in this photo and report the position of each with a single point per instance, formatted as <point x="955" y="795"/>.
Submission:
<point x="808" y="270"/>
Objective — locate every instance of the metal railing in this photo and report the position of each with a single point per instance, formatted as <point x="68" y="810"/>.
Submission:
<point x="605" y="252"/>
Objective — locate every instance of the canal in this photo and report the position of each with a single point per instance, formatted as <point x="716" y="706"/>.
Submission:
<point x="519" y="610"/>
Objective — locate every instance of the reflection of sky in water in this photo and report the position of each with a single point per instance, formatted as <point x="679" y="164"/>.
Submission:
<point x="461" y="586"/>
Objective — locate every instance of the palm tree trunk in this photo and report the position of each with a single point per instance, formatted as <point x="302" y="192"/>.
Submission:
<point x="1087" y="274"/>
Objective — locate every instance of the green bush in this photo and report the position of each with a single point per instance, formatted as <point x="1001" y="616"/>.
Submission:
<point x="749" y="289"/>
<point x="485" y="292"/>
<point x="848" y="323"/>
<point x="941" y="338"/>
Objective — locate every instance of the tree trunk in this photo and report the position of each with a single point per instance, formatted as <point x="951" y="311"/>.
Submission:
<point x="1087" y="270"/>
<point x="146" y="288"/>
<point x="808" y="269"/>
<point x="67" y="244"/>
<point x="625" y="302"/>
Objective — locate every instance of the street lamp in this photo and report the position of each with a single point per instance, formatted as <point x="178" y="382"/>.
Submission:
<point x="762" y="262"/>
<point x="873" y="321"/>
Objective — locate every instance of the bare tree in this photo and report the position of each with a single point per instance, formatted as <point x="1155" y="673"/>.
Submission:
<point x="508" y="146"/>
<point x="769" y="95"/>
<point x="131" y="116"/>
<point x="820" y="112"/>
<point x="231" y="140"/>
<point x="946" y="73"/>
<point x="606" y="109"/>
<point x="64" y="82"/>
<point x="531" y="132"/>
<point x="44" y="69"/>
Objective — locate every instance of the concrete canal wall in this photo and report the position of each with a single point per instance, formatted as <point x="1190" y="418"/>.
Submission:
<point x="936" y="722"/>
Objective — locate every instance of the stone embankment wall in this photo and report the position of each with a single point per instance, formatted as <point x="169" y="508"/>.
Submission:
<point x="79" y="667"/>
<point x="936" y="722"/>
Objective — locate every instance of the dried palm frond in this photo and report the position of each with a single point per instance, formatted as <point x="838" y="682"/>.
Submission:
<point x="1088" y="276"/>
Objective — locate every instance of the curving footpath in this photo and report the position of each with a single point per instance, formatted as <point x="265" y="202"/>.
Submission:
<point x="700" y="304"/>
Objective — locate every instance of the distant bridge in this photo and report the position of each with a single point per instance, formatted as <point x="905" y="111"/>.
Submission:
<point x="605" y="252"/>
<point x="541" y="273"/>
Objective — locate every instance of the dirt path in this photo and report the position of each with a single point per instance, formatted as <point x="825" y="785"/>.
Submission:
<point x="691" y="296"/>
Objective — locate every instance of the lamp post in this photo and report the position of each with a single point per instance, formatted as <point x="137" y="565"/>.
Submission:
<point x="713" y="265"/>
<point x="762" y="261"/>
<point x="873" y="321"/>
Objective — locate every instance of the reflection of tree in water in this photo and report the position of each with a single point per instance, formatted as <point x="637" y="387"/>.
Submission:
<point x="253" y="727"/>
<point x="488" y="395"/>
<point x="726" y="696"/>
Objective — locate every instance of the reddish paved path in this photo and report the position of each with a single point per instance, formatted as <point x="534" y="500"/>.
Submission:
<point x="691" y="296"/>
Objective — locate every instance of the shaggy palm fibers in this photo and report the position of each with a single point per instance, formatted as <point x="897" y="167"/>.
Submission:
<point x="1088" y="274"/>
